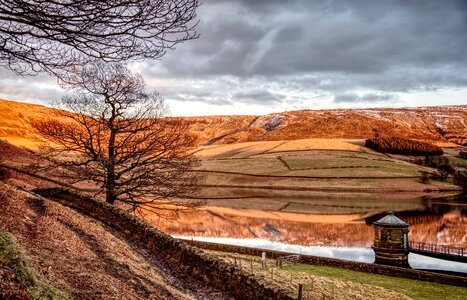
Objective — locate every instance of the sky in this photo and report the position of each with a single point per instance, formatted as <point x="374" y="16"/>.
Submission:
<point x="265" y="56"/>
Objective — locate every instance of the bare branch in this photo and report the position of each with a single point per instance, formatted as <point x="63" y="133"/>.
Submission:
<point x="59" y="36"/>
<point x="115" y="134"/>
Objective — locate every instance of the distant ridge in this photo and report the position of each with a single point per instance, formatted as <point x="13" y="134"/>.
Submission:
<point x="437" y="124"/>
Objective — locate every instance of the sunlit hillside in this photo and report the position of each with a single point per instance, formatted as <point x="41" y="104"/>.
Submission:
<point x="443" y="124"/>
<point x="15" y="122"/>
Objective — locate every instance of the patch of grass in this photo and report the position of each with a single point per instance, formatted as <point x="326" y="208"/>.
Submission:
<point x="457" y="160"/>
<point x="268" y="165"/>
<point x="324" y="163"/>
<point x="357" y="164"/>
<point x="315" y="286"/>
<point x="415" y="289"/>
<point x="322" y="282"/>
<point x="16" y="276"/>
<point x="316" y="163"/>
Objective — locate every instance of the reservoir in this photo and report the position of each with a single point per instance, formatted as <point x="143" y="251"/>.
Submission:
<point x="359" y="254"/>
<point x="338" y="226"/>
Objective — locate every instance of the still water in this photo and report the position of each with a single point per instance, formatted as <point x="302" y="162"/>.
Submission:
<point x="343" y="222"/>
<point x="339" y="227"/>
<point x="359" y="254"/>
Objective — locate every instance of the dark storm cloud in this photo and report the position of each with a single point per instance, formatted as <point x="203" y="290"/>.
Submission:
<point x="333" y="47"/>
<point x="270" y="52"/>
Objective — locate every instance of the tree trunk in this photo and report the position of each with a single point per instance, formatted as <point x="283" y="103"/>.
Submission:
<point x="110" y="193"/>
<point x="110" y="196"/>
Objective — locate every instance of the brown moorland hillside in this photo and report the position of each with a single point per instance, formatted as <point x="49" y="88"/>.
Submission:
<point x="439" y="124"/>
<point x="78" y="255"/>
<point x="442" y="124"/>
<point x="16" y="122"/>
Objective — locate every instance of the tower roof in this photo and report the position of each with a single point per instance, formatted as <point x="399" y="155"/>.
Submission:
<point x="391" y="220"/>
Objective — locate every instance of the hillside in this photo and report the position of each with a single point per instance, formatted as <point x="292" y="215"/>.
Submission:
<point x="444" y="123"/>
<point x="15" y="122"/>
<point x="255" y="186"/>
<point x="81" y="257"/>
<point x="441" y="124"/>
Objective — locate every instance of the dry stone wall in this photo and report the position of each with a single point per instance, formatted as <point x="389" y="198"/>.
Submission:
<point x="191" y="260"/>
<point x="351" y="265"/>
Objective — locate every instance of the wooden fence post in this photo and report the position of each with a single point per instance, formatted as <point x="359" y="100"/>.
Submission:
<point x="300" y="291"/>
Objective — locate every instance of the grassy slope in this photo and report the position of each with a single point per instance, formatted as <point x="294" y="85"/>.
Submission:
<point x="335" y="283"/>
<point x="82" y="257"/>
<point x="414" y="289"/>
<point x="17" y="278"/>
<point x="301" y="167"/>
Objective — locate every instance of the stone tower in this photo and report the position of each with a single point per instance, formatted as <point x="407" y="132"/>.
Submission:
<point x="391" y="244"/>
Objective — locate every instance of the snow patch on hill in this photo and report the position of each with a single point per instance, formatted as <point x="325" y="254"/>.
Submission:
<point x="268" y="122"/>
<point x="375" y="114"/>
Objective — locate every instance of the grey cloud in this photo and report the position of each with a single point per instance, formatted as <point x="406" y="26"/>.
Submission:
<point x="227" y="46"/>
<point x="257" y="96"/>
<point x="271" y="52"/>
<point x="368" y="97"/>
<point x="354" y="40"/>
<point x="38" y="89"/>
<point x="226" y="90"/>
<point x="343" y="45"/>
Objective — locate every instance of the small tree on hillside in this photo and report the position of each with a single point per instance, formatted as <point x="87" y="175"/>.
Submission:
<point x="112" y="132"/>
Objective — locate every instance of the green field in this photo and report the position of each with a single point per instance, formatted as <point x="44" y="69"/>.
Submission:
<point x="292" y="177"/>
<point x="322" y="282"/>
<point x="317" y="163"/>
<point x="454" y="157"/>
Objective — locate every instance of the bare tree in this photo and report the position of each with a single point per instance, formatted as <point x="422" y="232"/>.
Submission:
<point x="57" y="36"/>
<point x="113" y="133"/>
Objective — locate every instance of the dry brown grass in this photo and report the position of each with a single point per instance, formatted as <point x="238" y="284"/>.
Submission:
<point x="17" y="279"/>
<point x="247" y="149"/>
<point x="437" y="124"/>
<point x="82" y="257"/>
<point x="315" y="286"/>
<point x="416" y="123"/>
<point x="15" y="122"/>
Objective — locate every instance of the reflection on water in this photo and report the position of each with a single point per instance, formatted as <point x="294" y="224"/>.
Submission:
<point x="341" y="223"/>
<point x="359" y="254"/>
